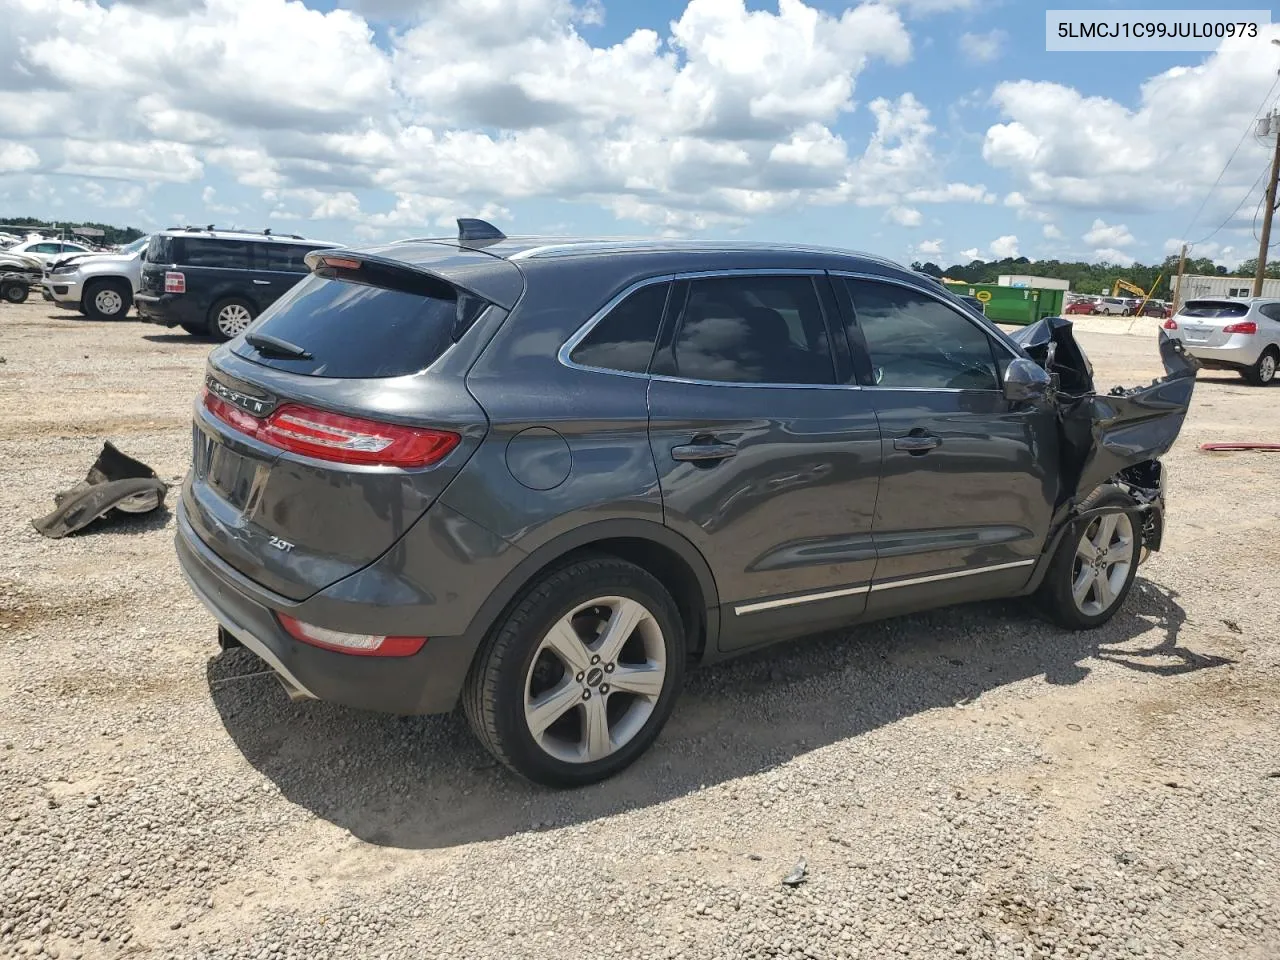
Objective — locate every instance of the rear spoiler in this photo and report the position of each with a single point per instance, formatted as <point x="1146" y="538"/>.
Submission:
<point x="446" y="273"/>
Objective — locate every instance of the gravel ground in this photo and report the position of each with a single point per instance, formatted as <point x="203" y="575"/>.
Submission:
<point x="968" y="783"/>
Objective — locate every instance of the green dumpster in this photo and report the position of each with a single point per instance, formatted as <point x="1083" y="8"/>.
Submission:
<point x="1017" y="305"/>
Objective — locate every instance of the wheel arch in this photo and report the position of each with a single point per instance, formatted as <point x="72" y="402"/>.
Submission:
<point x="665" y="554"/>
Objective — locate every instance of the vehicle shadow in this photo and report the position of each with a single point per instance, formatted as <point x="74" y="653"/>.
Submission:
<point x="423" y="782"/>
<point x="189" y="338"/>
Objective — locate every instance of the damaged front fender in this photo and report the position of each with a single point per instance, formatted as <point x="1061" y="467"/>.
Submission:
<point x="1110" y="437"/>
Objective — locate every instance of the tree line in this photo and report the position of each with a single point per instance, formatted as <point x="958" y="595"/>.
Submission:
<point x="111" y="235"/>
<point x="1093" y="278"/>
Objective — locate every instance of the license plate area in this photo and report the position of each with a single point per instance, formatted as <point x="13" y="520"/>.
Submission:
<point x="235" y="478"/>
<point x="1197" y="334"/>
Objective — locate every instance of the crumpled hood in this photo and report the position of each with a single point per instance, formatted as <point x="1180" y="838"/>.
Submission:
<point x="1105" y="433"/>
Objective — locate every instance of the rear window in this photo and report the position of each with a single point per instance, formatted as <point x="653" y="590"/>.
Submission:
<point x="159" y="250"/>
<point x="356" y="330"/>
<point x="1214" y="309"/>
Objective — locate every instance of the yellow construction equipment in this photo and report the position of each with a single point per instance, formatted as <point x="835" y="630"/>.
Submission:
<point x="1128" y="287"/>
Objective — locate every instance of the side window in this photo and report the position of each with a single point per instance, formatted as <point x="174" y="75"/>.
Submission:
<point x="284" y="257"/>
<point x="207" y="252"/>
<point x="763" y="329"/>
<point x="1270" y="310"/>
<point x="43" y="248"/>
<point x="624" y="339"/>
<point x="916" y="341"/>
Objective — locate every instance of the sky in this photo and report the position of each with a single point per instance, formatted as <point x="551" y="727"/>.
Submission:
<point x="933" y="130"/>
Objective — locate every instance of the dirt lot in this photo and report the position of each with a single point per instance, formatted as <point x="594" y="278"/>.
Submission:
<point x="969" y="783"/>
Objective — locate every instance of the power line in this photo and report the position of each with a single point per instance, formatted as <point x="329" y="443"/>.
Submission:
<point x="1232" y="214"/>
<point x="1239" y="143"/>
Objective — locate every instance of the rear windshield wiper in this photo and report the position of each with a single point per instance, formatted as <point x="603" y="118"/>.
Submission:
<point x="275" y="347"/>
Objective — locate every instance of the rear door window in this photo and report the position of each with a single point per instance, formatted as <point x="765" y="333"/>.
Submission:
<point x="356" y="330"/>
<point x="159" y="250"/>
<point x="624" y="339"/>
<point x="1214" y="309"/>
<point x="208" y="252"/>
<point x="1270" y="310"/>
<point x="283" y="257"/>
<point x="752" y="329"/>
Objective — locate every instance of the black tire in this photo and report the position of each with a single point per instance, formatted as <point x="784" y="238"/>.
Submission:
<point x="217" y="325"/>
<point x="115" y="295"/>
<point x="195" y="329"/>
<point x="1263" y="373"/>
<point x="494" y="694"/>
<point x="1055" y="598"/>
<point x="14" y="292"/>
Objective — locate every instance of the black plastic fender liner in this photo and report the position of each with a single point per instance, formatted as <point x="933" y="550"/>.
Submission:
<point x="116" y="482"/>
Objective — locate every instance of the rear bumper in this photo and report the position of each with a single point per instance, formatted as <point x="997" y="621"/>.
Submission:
<point x="169" y="309"/>
<point x="1232" y="355"/>
<point x="430" y="681"/>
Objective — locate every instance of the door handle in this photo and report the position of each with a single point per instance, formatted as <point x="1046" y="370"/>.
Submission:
<point x="703" y="452"/>
<point x="917" y="443"/>
<point x="263" y="283"/>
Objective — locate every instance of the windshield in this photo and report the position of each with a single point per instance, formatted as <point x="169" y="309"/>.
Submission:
<point x="139" y="244"/>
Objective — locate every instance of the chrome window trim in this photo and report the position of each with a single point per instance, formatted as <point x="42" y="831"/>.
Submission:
<point x="873" y="587"/>
<point x="585" y="330"/>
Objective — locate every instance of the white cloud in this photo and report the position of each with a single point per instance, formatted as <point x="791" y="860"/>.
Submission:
<point x="1063" y="147"/>
<point x="1051" y="232"/>
<point x="16" y="157"/>
<point x="1225" y="254"/>
<point x="928" y="248"/>
<point x="1111" y="255"/>
<point x="1004" y="247"/>
<point x="925" y="7"/>
<point x="983" y="47"/>
<point x="209" y="196"/>
<point x="905" y="216"/>
<point x="967" y="255"/>
<point x="724" y="114"/>
<point x="1103" y="234"/>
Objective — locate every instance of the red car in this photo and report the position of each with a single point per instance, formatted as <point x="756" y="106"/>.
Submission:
<point x="1080" y="306"/>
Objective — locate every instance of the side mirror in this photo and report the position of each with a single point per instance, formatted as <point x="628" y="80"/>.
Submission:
<point x="1025" y="381"/>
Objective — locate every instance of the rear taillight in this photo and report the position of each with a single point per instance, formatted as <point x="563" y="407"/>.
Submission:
<point x="1244" y="326"/>
<point x="1171" y="324"/>
<point x="336" y="437"/>
<point x="358" y="644"/>
<point x="175" y="282"/>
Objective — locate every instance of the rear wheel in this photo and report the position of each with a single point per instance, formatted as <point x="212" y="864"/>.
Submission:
<point x="107" y="300"/>
<point x="14" y="292"/>
<point x="1264" y="371"/>
<point x="578" y="679"/>
<point x="1092" y="572"/>
<point x="231" y="317"/>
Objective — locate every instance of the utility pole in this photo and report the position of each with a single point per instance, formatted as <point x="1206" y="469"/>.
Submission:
<point x="1177" y="290"/>
<point x="1268" y="127"/>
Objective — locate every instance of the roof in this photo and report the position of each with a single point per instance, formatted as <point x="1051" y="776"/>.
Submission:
<point x="217" y="234"/>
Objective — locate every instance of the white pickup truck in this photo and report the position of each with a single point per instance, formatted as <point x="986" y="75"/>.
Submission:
<point x="99" y="285"/>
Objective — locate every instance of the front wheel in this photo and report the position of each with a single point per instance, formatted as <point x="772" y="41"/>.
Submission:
<point x="107" y="300"/>
<point x="1264" y="371"/>
<point x="578" y="679"/>
<point x="1093" y="571"/>
<point x="231" y="317"/>
<point x="14" y="292"/>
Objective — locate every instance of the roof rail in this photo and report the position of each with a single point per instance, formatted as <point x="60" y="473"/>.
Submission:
<point x="470" y="228"/>
<point x="210" y="228"/>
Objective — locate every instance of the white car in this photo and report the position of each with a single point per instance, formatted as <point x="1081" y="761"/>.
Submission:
<point x="99" y="285"/>
<point x="44" y="250"/>
<point x="1239" y="335"/>
<point x="1109" y="306"/>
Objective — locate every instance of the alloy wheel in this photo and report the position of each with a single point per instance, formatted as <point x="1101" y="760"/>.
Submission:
<point x="1103" y="557"/>
<point x="595" y="679"/>
<point x="233" y="320"/>
<point x="1267" y="367"/>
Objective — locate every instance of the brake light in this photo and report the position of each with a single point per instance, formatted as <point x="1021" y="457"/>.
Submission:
<point x="340" y="263"/>
<point x="358" y="644"/>
<point x="175" y="282"/>
<point x="1171" y="324"/>
<point x="336" y="437"/>
<point x="1245" y="326"/>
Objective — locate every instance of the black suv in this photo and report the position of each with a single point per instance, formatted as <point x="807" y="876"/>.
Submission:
<point x="214" y="282"/>
<point x="544" y="477"/>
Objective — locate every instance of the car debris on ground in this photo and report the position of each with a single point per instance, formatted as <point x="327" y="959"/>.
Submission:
<point x="115" y="486"/>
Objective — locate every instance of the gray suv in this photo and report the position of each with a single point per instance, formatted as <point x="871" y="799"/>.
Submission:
<point x="543" y="478"/>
